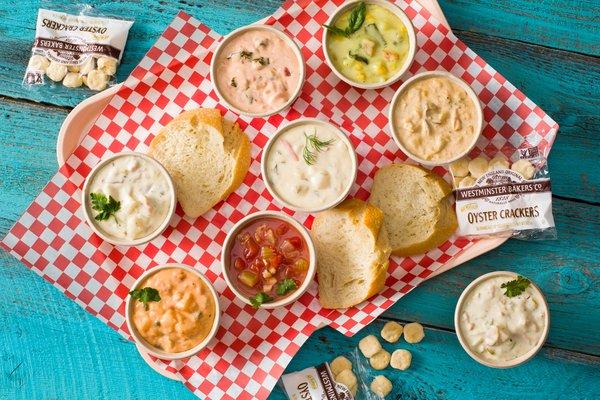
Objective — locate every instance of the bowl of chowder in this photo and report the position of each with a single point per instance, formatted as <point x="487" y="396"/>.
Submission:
<point x="309" y="165"/>
<point x="436" y="118"/>
<point x="369" y="44"/>
<point x="257" y="70"/>
<point x="502" y="319"/>
<point x="172" y="311"/>
<point x="128" y="199"/>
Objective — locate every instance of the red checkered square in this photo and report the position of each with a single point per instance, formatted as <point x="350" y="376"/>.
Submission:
<point x="252" y="347"/>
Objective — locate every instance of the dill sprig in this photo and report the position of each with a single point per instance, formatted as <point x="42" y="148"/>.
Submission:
<point x="313" y="146"/>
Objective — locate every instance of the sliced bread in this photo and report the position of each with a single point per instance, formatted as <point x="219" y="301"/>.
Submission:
<point x="352" y="253"/>
<point x="417" y="208"/>
<point x="207" y="157"/>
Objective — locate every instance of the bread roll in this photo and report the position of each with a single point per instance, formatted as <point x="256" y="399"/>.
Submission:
<point x="418" y="215"/>
<point x="352" y="253"/>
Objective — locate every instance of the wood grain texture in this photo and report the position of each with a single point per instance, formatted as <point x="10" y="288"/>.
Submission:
<point x="571" y="25"/>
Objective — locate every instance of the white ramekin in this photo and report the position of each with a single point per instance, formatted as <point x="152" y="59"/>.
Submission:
<point x="501" y="364"/>
<point x="301" y="121"/>
<point x="472" y="96"/>
<point x="230" y="241"/>
<point x="291" y="43"/>
<point x="412" y="43"/>
<point x="158" y="352"/>
<point x="89" y="217"/>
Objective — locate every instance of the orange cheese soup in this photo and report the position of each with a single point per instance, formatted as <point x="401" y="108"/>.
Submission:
<point x="184" y="315"/>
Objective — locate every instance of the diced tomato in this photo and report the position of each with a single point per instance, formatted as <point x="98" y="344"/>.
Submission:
<point x="288" y="250"/>
<point x="270" y="257"/>
<point x="265" y="236"/>
<point x="250" y="248"/>
<point x="282" y="229"/>
<point x="239" y="263"/>
<point x="256" y="265"/>
<point x="296" y="241"/>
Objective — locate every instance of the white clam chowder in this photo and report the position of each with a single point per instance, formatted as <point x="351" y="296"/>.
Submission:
<point x="310" y="185"/>
<point x="143" y="191"/>
<point x="499" y="328"/>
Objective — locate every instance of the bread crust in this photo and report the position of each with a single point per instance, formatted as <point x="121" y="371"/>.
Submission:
<point x="236" y="150"/>
<point x="437" y="191"/>
<point x="370" y="218"/>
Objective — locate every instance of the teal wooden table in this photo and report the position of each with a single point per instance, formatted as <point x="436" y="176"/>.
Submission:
<point x="52" y="349"/>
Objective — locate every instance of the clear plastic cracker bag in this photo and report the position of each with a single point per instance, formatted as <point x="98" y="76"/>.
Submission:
<point x="332" y="380"/>
<point x="502" y="196"/>
<point x="76" y="49"/>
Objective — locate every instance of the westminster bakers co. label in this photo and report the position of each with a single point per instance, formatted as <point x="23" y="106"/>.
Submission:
<point x="503" y="201"/>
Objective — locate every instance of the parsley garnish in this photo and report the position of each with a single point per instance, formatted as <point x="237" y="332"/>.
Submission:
<point x="145" y="295"/>
<point x="260" y="299"/>
<point x="246" y="54"/>
<point x="355" y="21"/>
<point x="262" y="61"/>
<point x="107" y="207"/>
<point x="516" y="287"/>
<point x="233" y="82"/>
<point x="313" y="146"/>
<point x="358" y="57"/>
<point x="285" y="286"/>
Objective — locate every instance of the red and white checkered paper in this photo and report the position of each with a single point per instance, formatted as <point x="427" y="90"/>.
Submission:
<point x="252" y="348"/>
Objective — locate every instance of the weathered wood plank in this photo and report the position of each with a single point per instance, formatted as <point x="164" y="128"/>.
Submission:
<point x="571" y="26"/>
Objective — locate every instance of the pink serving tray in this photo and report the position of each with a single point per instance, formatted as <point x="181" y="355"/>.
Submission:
<point x="77" y="124"/>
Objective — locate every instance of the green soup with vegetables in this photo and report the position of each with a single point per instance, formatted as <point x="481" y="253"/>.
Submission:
<point x="368" y="43"/>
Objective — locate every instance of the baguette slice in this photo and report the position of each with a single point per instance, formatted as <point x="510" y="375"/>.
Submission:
<point x="417" y="208"/>
<point x="207" y="157"/>
<point x="352" y="253"/>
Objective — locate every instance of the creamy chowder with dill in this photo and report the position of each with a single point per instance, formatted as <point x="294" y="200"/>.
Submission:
<point x="310" y="165"/>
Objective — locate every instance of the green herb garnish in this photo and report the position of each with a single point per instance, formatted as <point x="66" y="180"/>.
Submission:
<point x="516" y="287"/>
<point x="286" y="286"/>
<point x="313" y="146"/>
<point x="107" y="207"/>
<point x="358" y="57"/>
<point x="233" y="82"/>
<point x="355" y="21"/>
<point x="262" y="61"/>
<point x="260" y="299"/>
<point x="246" y="54"/>
<point x="145" y="295"/>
